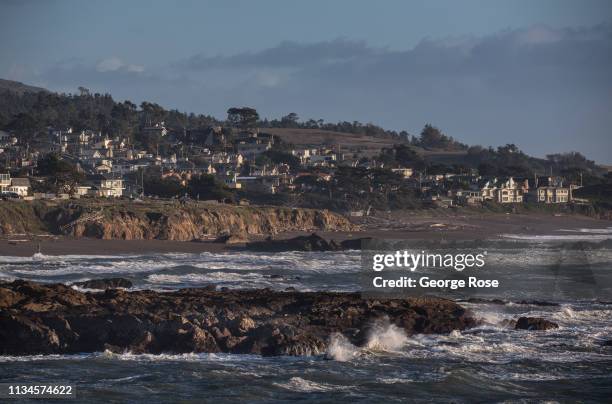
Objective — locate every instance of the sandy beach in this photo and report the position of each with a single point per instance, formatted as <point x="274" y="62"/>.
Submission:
<point x="395" y="225"/>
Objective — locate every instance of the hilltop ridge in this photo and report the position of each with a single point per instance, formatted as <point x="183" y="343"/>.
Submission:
<point x="19" y="87"/>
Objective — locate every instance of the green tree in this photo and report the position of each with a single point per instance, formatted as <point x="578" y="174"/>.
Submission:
<point x="61" y="176"/>
<point x="244" y="118"/>
<point x="207" y="187"/>
<point x="290" y="120"/>
<point x="163" y="187"/>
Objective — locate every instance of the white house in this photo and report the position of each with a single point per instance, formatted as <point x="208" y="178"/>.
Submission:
<point x="107" y="187"/>
<point x="19" y="186"/>
<point x="511" y="191"/>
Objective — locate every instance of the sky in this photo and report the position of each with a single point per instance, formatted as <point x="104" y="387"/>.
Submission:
<point x="536" y="73"/>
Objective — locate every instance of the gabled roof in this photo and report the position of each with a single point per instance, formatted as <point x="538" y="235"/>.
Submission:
<point x="20" y="182"/>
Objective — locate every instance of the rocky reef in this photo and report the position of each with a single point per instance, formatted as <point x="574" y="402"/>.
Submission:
<point x="54" y="318"/>
<point x="531" y="324"/>
<point x="162" y="220"/>
<point x="313" y="242"/>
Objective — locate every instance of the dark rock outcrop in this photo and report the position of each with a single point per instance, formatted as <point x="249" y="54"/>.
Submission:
<point x="354" y="244"/>
<point x="106" y="283"/>
<point x="54" y="318"/>
<point x="534" y="324"/>
<point x="478" y="300"/>
<point x="314" y="242"/>
<point x="537" y="303"/>
<point x="237" y="238"/>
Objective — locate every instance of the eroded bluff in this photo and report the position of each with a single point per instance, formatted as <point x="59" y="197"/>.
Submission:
<point x="185" y="223"/>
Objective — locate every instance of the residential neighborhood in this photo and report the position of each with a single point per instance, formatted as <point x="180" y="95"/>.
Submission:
<point x="248" y="160"/>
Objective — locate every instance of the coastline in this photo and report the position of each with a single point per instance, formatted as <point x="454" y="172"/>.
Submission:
<point x="395" y="225"/>
<point x="55" y="318"/>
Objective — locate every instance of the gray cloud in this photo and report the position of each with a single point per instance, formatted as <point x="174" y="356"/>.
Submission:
<point x="545" y="89"/>
<point x="286" y="54"/>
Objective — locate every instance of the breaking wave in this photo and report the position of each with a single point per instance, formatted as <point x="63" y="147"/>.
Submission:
<point x="382" y="336"/>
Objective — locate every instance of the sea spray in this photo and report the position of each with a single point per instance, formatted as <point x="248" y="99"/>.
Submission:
<point x="340" y="349"/>
<point x="384" y="336"/>
<point x="568" y="312"/>
<point x="381" y="336"/>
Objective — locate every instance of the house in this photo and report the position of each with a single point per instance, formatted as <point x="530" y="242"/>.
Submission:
<point x="246" y="136"/>
<point x="488" y="190"/>
<point x="323" y="159"/>
<point x="434" y="177"/>
<point x="159" y="129"/>
<point x="209" y="169"/>
<point x="82" y="190"/>
<point x="549" y="190"/>
<point x="5" y="138"/>
<point x="107" y="186"/>
<point x="215" y="137"/>
<point x="466" y="197"/>
<point x="5" y="181"/>
<point x="553" y="195"/>
<point x="441" y="201"/>
<point x="19" y="186"/>
<point x="251" y="150"/>
<point x="510" y="191"/>
<point x="260" y="184"/>
<point x="230" y="181"/>
<point x="105" y="167"/>
<point x="503" y="191"/>
<point x="404" y="172"/>
<point x="303" y="154"/>
<point x="226" y="158"/>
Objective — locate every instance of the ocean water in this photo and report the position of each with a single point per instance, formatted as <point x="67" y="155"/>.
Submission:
<point x="484" y="364"/>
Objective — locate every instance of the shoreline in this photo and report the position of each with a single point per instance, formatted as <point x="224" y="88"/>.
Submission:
<point x="394" y="225"/>
<point x="42" y="318"/>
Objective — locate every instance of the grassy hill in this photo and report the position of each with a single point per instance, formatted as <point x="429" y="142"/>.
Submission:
<point x="362" y="144"/>
<point x="19" y="88"/>
<point x="348" y="142"/>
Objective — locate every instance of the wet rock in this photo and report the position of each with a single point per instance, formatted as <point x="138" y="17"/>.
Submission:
<point x="9" y="298"/>
<point x="107" y="283"/>
<point x="262" y="321"/>
<point x="534" y="324"/>
<point x="537" y="303"/>
<point x="236" y="238"/>
<point x="21" y="335"/>
<point x="478" y="300"/>
<point x="301" y="243"/>
<point x="354" y="244"/>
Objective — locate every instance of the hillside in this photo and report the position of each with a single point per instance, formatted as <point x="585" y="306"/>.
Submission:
<point x="29" y="111"/>
<point x="359" y="143"/>
<point x="348" y="142"/>
<point x="19" y="88"/>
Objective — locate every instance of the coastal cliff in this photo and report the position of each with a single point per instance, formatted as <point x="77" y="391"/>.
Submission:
<point x="161" y="220"/>
<point x="55" y="318"/>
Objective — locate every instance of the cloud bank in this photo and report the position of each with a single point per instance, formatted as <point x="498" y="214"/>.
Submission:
<point x="543" y="88"/>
